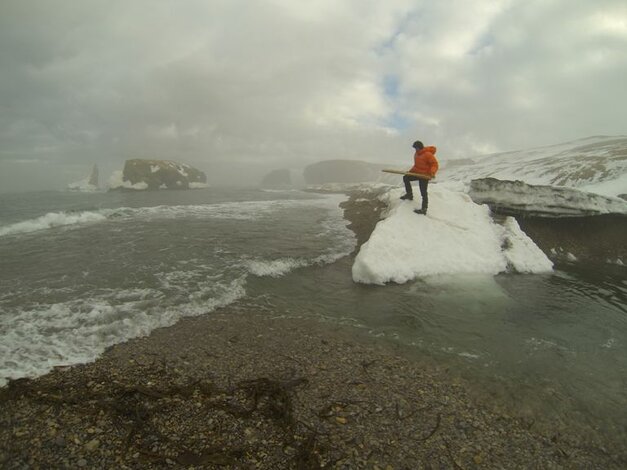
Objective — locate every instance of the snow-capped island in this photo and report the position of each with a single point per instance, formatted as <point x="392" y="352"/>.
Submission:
<point x="141" y="174"/>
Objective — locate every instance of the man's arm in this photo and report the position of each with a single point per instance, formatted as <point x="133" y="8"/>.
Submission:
<point x="435" y="165"/>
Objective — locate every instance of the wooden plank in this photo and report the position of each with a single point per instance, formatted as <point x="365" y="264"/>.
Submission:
<point x="400" y="172"/>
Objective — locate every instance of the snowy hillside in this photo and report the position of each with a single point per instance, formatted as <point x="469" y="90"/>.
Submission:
<point x="595" y="164"/>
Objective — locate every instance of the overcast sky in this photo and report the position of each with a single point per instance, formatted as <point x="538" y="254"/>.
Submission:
<point x="282" y="83"/>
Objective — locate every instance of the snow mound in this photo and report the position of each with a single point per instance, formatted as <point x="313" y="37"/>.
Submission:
<point x="456" y="237"/>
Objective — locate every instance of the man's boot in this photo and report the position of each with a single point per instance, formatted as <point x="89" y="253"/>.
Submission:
<point x="408" y="197"/>
<point x="423" y="210"/>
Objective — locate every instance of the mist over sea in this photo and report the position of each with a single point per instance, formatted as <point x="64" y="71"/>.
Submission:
<point x="80" y="272"/>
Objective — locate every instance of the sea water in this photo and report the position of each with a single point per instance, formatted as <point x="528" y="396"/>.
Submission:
<point x="80" y="272"/>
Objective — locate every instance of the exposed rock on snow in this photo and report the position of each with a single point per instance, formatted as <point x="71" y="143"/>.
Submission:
<point x="518" y="198"/>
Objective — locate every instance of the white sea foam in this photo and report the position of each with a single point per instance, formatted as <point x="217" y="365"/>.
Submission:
<point x="275" y="268"/>
<point x="51" y="220"/>
<point x="468" y="355"/>
<point x="542" y="345"/>
<point x="116" y="180"/>
<point x="194" y="185"/>
<point x="334" y="227"/>
<point x="33" y="341"/>
<point x="282" y="266"/>
<point x="610" y="343"/>
<point x="248" y="210"/>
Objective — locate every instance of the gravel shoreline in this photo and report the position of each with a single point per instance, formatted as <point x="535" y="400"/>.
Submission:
<point x="246" y="387"/>
<point x="246" y="390"/>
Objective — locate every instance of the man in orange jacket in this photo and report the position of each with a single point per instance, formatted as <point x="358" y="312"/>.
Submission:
<point x="426" y="164"/>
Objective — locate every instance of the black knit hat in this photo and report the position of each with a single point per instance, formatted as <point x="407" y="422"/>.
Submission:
<point x="418" y="145"/>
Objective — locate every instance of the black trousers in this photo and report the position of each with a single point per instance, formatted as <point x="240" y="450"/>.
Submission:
<point x="424" y="184"/>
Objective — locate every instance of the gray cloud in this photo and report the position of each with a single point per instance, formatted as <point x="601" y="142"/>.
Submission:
<point x="261" y="85"/>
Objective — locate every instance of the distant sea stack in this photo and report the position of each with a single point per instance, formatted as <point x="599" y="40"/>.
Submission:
<point x="89" y="184"/>
<point x="277" y="179"/>
<point x="141" y="174"/>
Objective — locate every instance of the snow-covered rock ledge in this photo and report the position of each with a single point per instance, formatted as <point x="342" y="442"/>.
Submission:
<point x="460" y="236"/>
<point x="569" y="225"/>
<point x="521" y="199"/>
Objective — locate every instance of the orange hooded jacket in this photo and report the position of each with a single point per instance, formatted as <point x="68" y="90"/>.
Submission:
<point x="425" y="162"/>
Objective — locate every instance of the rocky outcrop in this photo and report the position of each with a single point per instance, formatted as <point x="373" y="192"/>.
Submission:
<point x="159" y="174"/>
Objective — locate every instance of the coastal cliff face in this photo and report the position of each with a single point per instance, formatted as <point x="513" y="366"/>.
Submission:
<point x="160" y="174"/>
<point x="598" y="239"/>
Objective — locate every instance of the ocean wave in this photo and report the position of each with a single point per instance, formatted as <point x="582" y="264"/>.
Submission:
<point x="35" y="340"/>
<point x="247" y="210"/>
<point x="275" y="268"/>
<point x="58" y="327"/>
<point x="282" y="266"/>
<point x="52" y="220"/>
